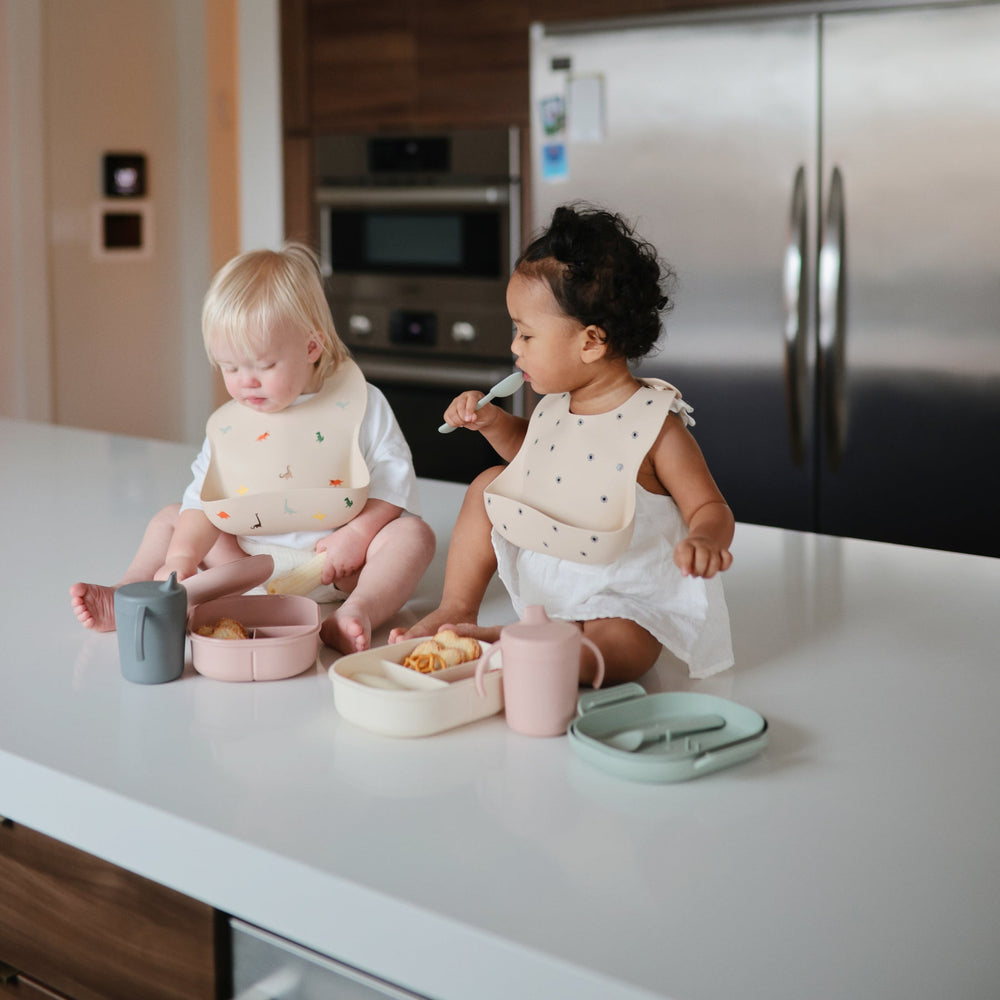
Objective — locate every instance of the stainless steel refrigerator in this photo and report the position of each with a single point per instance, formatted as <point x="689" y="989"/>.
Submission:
<point x="826" y="184"/>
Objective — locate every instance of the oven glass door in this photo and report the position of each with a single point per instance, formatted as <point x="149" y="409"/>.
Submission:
<point x="446" y="232"/>
<point x="441" y="242"/>
<point x="419" y="392"/>
<point x="457" y="457"/>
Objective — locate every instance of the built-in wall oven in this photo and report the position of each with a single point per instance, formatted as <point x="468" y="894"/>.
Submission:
<point x="417" y="236"/>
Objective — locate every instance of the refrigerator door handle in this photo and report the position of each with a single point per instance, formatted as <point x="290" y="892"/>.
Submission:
<point x="794" y="288"/>
<point x="832" y="295"/>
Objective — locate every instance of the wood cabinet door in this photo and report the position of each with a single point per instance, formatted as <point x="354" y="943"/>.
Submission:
<point x="94" y="931"/>
<point x="20" y="987"/>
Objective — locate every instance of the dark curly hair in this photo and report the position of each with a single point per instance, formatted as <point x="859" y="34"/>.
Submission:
<point x="602" y="274"/>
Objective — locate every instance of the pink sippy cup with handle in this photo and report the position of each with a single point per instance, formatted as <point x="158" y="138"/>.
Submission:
<point x="541" y="672"/>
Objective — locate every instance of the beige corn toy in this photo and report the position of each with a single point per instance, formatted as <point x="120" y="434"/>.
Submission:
<point x="302" y="580"/>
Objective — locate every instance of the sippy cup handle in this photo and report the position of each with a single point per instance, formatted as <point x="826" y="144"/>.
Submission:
<point x="600" y="661"/>
<point x="481" y="667"/>
<point x="140" y="622"/>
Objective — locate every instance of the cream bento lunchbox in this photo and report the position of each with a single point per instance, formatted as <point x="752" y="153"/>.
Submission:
<point x="283" y="629"/>
<point x="375" y="691"/>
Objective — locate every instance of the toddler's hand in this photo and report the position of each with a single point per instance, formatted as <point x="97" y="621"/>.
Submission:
<point x="699" y="556"/>
<point x="462" y="412"/>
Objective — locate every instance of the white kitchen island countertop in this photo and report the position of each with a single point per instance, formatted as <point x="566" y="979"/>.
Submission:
<point x="857" y="857"/>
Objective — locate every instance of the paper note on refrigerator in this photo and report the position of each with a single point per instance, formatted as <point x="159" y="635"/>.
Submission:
<point x="585" y="108"/>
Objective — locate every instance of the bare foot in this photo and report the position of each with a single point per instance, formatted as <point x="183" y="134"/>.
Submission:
<point x="94" y="605"/>
<point x="347" y="630"/>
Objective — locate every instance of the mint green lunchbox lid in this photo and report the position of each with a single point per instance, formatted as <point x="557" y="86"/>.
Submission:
<point x="665" y="737"/>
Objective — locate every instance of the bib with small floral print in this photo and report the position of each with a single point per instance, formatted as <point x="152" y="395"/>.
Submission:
<point x="298" y="470"/>
<point x="570" y="490"/>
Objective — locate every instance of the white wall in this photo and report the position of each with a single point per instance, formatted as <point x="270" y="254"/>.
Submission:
<point x="116" y="344"/>
<point x="25" y="389"/>
<point x="262" y="222"/>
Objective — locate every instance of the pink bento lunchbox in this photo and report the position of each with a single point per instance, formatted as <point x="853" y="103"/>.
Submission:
<point x="283" y="628"/>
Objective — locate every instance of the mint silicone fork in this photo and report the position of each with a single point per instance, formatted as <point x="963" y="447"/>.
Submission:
<point x="505" y="387"/>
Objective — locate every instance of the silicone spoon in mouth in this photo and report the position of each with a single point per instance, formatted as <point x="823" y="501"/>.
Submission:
<point x="505" y="387"/>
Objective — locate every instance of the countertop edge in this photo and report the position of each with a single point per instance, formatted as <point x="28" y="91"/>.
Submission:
<point x="313" y="908"/>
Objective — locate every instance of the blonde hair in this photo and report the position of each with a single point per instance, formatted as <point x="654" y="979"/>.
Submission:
<point x="262" y="288"/>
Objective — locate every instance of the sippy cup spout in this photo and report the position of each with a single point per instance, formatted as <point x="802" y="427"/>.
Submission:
<point x="170" y="585"/>
<point x="534" y="614"/>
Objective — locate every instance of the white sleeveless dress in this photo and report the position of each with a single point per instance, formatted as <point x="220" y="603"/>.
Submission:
<point x="688" y="615"/>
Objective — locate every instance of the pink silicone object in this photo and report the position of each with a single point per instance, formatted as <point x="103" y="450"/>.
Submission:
<point x="225" y="581"/>
<point x="284" y="628"/>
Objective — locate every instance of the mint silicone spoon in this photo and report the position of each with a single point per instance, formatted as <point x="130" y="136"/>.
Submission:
<point x="631" y="740"/>
<point x="505" y="387"/>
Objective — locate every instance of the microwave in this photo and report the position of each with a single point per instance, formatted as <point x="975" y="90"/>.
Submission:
<point x="417" y="238"/>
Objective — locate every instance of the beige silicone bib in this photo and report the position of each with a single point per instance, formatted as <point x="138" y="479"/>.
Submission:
<point x="298" y="470"/>
<point x="570" y="490"/>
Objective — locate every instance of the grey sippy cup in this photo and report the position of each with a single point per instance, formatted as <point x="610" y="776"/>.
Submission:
<point x="151" y="618"/>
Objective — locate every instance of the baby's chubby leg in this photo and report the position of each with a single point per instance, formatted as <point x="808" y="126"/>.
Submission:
<point x="469" y="569"/>
<point x="94" y="603"/>
<point x="627" y="648"/>
<point x="396" y="560"/>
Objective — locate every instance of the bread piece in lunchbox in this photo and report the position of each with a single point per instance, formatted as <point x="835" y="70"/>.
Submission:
<point x="446" y="649"/>
<point x="224" y="628"/>
<point x="469" y="647"/>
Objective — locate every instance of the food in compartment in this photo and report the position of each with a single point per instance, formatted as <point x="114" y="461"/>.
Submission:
<point x="446" y="649"/>
<point x="224" y="628"/>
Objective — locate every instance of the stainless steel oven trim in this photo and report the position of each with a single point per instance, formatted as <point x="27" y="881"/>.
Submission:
<point x="413" y="371"/>
<point x="418" y="197"/>
<point x="439" y="375"/>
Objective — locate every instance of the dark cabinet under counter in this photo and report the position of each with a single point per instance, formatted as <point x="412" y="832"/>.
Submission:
<point x="73" y="925"/>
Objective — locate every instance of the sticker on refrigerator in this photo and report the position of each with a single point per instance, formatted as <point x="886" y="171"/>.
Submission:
<point x="553" y="114"/>
<point x="554" y="166"/>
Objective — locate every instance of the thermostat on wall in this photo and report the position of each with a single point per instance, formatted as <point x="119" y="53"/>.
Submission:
<point x="122" y="226"/>
<point x="122" y="229"/>
<point x="124" y="175"/>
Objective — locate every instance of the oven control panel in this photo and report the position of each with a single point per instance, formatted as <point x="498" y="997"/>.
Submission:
<point x="409" y="328"/>
<point x="465" y="331"/>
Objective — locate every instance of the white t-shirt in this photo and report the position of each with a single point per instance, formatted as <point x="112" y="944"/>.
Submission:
<point x="386" y="453"/>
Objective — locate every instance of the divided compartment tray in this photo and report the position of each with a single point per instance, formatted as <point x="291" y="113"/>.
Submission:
<point x="284" y="628"/>
<point x="376" y="692"/>
<point x="605" y="715"/>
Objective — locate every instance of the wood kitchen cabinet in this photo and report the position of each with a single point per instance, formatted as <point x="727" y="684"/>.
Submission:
<point x="421" y="63"/>
<point x="72" y="925"/>
<point x="357" y="66"/>
<point x="15" y="984"/>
